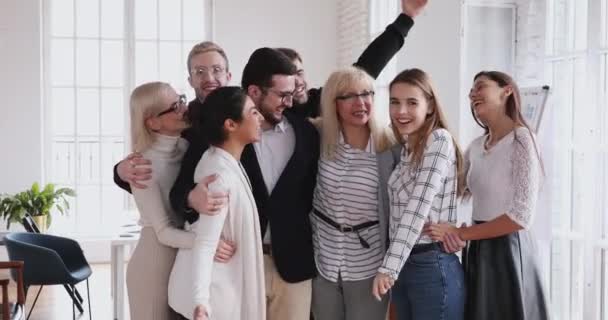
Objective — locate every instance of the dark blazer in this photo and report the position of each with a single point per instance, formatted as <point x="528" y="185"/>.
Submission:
<point x="287" y="207"/>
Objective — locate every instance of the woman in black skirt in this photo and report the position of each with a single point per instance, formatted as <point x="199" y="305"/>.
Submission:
<point x="503" y="176"/>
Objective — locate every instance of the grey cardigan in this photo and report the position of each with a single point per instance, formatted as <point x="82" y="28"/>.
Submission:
<point x="387" y="160"/>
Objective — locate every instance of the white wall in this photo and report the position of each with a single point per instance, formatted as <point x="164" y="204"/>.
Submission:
<point x="306" y="26"/>
<point x="20" y="89"/>
<point x="433" y="45"/>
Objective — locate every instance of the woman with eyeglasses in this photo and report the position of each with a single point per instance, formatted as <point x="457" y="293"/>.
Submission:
<point x="348" y="231"/>
<point x="157" y="119"/>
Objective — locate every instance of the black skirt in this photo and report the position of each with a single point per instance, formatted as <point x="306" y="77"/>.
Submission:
<point x="503" y="279"/>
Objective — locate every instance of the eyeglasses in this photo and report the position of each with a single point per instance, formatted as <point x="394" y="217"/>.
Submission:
<point x="175" y="106"/>
<point x="215" y="71"/>
<point x="286" y="97"/>
<point x="351" y="97"/>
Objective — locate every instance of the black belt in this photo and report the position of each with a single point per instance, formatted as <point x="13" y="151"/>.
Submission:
<point x="426" y="247"/>
<point x="345" y="229"/>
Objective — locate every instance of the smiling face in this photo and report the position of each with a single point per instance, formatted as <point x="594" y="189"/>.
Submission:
<point x="488" y="99"/>
<point x="408" y="108"/>
<point x="354" y="106"/>
<point x="208" y="71"/>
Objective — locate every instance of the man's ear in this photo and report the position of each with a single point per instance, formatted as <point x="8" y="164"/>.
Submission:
<point x="254" y="92"/>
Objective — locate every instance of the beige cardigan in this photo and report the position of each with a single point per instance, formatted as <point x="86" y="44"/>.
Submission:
<point x="233" y="290"/>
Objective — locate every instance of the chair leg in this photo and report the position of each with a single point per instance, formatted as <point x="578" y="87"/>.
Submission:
<point x="77" y="294"/>
<point x="89" y="298"/>
<point x="70" y="289"/>
<point x="34" y="304"/>
<point x="73" y="304"/>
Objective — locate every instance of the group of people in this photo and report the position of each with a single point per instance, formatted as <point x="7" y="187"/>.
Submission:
<point x="276" y="201"/>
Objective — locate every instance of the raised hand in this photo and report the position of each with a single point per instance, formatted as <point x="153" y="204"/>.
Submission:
<point x="413" y="8"/>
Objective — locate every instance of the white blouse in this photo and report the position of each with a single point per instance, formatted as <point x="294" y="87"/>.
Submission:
<point x="504" y="179"/>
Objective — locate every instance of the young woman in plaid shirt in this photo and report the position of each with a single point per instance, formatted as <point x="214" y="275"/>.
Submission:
<point x="427" y="282"/>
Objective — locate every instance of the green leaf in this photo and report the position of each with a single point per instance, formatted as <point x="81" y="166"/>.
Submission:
<point x="35" y="188"/>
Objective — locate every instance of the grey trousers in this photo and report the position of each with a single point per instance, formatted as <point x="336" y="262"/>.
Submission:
<point x="346" y="300"/>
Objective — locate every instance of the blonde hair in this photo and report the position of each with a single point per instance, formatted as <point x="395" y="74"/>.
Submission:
<point x="145" y="102"/>
<point x="338" y="83"/>
<point x="204" y="47"/>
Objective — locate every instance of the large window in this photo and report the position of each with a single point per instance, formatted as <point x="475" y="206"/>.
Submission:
<point x="96" y="52"/>
<point x="577" y="165"/>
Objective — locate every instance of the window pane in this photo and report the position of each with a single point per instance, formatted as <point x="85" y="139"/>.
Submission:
<point x="195" y="26"/>
<point x="112" y="18"/>
<point x="88" y="160"/>
<point x="62" y="18"/>
<point x="88" y="112"/>
<point x="170" y="18"/>
<point x="604" y="23"/>
<point x="112" y="57"/>
<point x="62" y="62"/>
<point x="170" y="63"/>
<point x="89" y="210"/>
<point x="145" y="19"/>
<point x="63" y="111"/>
<point x="560" y="278"/>
<point x="581" y="18"/>
<point x="63" y="161"/>
<point x="562" y="26"/>
<point x="112" y="113"/>
<point x="584" y="128"/>
<point x="146" y="62"/>
<point x="87" y="18"/>
<point x="87" y="62"/>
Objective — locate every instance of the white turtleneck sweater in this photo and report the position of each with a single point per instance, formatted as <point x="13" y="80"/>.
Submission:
<point x="153" y="202"/>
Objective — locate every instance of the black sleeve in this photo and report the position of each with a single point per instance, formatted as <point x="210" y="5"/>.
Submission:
<point x="122" y="184"/>
<point x="311" y="109"/>
<point x="377" y="55"/>
<point x="185" y="179"/>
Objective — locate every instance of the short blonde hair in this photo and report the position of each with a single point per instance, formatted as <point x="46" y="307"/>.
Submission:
<point x="203" y="47"/>
<point x="145" y="102"/>
<point x="338" y="83"/>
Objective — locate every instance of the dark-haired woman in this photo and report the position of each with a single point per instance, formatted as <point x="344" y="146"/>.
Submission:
<point x="503" y="175"/>
<point x="200" y="288"/>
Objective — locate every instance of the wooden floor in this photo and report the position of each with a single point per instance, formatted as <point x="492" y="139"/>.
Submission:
<point x="54" y="302"/>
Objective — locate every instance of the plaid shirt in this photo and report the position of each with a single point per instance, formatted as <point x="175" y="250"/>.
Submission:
<point x="419" y="195"/>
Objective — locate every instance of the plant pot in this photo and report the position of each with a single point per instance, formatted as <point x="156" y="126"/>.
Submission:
<point x="41" y="222"/>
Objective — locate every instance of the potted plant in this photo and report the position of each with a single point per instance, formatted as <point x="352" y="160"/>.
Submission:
<point x="36" y="203"/>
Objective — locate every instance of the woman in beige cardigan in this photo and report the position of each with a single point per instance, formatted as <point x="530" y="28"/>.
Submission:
<point x="200" y="288"/>
<point x="157" y="119"/>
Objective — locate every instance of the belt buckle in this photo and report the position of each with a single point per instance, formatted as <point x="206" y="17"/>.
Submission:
<point x="345" y="229"/>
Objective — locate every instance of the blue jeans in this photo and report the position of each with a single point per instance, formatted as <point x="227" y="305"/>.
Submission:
<point x="430" y="286"/>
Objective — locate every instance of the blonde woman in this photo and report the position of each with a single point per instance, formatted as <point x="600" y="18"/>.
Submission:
<point x="157" y="119"/>
<point x="349" y="233"/>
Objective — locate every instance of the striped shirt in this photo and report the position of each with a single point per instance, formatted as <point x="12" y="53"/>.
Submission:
<point x="347" y="193"/>
<point x="426" y="194"/>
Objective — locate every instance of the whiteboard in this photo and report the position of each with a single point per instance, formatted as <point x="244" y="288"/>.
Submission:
<point x="533" y="101"/>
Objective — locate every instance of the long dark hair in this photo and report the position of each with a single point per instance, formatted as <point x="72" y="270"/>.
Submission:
<point x="221" y="104"/>
<point x="513" y="106"/>
<point x="437" y="119"/>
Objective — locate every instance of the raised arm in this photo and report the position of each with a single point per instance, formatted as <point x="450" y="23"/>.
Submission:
<point x="382" y="49"/>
